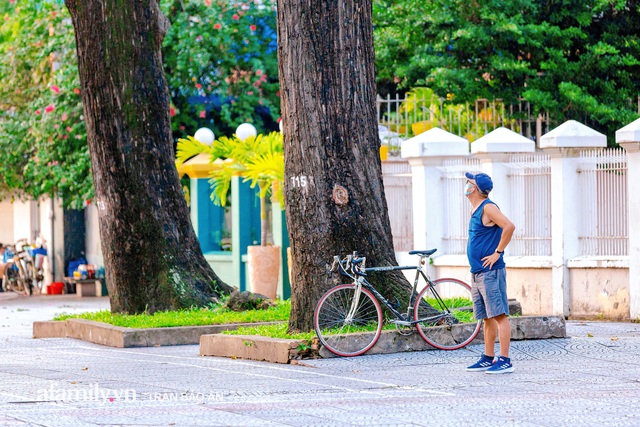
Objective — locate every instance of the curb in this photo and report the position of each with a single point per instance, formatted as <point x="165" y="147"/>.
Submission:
<point x="251" y="347"/>
<point x="286" y="351"/>
<point x="120" y="337"/>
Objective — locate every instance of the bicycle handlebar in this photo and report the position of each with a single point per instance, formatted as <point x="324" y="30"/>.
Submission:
<point x="350" y="266"/>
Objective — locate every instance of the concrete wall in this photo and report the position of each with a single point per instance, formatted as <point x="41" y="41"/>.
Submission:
<point x="6" y="222"/>
<point x="599" y="292"/>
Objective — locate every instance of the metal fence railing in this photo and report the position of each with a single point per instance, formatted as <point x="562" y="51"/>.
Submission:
<point x="604" y="211"/>
<point x="400" y="118"/>
<point x="529" y="182"/>
<point x="456" y="209"/>
<point x="398" y="191"/>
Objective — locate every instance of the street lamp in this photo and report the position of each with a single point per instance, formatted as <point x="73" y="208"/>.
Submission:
<point x="205" y="135"/>
<point x="245" y="131"/>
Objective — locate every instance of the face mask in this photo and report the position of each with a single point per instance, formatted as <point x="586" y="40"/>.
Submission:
<point x="468" y="189"/>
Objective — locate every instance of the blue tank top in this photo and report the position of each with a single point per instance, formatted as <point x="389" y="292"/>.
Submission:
<point x="482" y="241"/>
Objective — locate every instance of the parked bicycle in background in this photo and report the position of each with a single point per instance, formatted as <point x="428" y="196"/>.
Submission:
<point x="21" y="273"/>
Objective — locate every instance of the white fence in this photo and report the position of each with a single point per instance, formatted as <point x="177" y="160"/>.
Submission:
<point x="455" y="208"/>
<point x="530" y="204"/>
<point x="397" y="188"/>
<point x="603" y="215"/>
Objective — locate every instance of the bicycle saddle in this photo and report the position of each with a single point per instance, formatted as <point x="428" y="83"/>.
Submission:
<point x="423" y="253"/>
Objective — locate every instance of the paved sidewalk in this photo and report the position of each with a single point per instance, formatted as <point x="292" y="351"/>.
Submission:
<point x="590" y="379"/>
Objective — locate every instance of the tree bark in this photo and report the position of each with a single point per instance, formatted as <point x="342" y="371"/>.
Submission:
<point x="334" y="195"/>
<point x="152" y="257"/>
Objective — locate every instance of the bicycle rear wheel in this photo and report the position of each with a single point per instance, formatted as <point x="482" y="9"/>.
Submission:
<point x="452" y="325"/>
<point x="347" y="322"/>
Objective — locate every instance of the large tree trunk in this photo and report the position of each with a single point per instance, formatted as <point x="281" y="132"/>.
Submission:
<point x="152" y="257"/>
<point x="334" y="196"/>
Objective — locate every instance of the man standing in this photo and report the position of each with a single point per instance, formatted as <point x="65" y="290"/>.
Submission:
<point x="489" y="234"/>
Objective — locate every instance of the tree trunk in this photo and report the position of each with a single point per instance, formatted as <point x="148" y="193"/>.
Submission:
<point x="334" y="196"/>
<point x="152" y="257"/>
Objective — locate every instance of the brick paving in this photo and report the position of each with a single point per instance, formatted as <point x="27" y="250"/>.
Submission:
<point x="589" y="379"/>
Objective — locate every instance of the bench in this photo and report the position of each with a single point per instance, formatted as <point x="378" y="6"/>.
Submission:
<point x="86" y="287"/>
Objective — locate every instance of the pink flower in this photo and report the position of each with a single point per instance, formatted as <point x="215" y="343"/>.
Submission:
<point x="76" y="91"/>
<point x="55" y="89"/>
<point x="203" y="114"/>
<point x="172" y="112"/>
<point x="250" y="92"/>
<point x="57" y="126"/>
<point x="217" y="26"/>
<point x="49" y="108"/>
<point x="64" y="117"/>
<point x="207" y="2"/>
<point x="69" y="129"/>
<point x="38" y="111"/>
<point x="181" y="127"/>
<point x="198" y="86"/>
<point x="252" y="27"/>
<point x="199" y="38"/>
<point x="258" y="72"/>
<point x="235" y="17"/>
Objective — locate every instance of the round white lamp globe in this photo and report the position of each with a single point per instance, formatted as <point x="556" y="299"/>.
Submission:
<point x="205" y="135"/>
<point x="245" y="131"/>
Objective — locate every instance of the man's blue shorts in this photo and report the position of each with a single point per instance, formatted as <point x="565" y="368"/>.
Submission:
<point x="489" y="292"/>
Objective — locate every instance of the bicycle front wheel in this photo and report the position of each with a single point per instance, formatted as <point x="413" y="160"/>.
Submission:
<point x="348" y="322"/>
<point x="445" y="311"/>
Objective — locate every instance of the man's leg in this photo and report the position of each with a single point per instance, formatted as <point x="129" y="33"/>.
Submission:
<point x="490" y="333"/>
<point x="504" y="331"/>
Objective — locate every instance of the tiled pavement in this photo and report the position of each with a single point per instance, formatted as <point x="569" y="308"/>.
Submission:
<point x="590" y="379"/>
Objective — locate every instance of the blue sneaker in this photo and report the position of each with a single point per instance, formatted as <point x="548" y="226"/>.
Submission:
<point x="483" y="364"/>
<point x="502" y="366"/>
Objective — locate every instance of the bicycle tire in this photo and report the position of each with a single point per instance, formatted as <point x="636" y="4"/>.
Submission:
<point x="455" y="327"/>
<point x="338" y="335"/>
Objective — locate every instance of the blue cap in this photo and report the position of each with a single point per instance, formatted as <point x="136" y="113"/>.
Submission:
<point x="483" y="181"/>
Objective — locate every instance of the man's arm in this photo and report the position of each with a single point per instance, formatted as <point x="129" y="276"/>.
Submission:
<point x="495" y="216"/>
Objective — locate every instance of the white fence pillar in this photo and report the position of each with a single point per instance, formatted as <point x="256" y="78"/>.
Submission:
<point x="563" y="145"/>
<point x="629" y="138"/>
<point x="425" y="153"/>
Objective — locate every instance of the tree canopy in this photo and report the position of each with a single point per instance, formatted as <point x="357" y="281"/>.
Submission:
<point x="574" y="59"/>
<point x="221" y="66"/>
<point x="43" y="147"/>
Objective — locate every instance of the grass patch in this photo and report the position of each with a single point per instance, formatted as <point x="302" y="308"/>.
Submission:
<point x="272" y="331"/>
<point x="193" y="317"/>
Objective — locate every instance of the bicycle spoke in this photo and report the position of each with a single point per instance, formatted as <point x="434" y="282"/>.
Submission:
<point x="344" y="335"/>
<point x="446" y="311"/>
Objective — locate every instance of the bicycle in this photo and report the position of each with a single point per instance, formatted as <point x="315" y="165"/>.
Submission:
<point x="21" y="275"/>
<point x="348" y="317"/>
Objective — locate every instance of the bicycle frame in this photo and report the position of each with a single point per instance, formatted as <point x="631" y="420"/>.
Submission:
<point x="360" y="280"/>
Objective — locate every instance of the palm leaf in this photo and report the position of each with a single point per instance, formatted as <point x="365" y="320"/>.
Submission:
<point x="189" y="147"/>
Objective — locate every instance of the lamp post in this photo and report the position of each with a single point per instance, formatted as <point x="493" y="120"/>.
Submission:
<point x="245" y="131"/>
<point x="205" y="135"/>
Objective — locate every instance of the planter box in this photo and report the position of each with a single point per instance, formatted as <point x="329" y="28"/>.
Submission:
<point x="117" y="336"/>
<point x="286" y="351"/>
